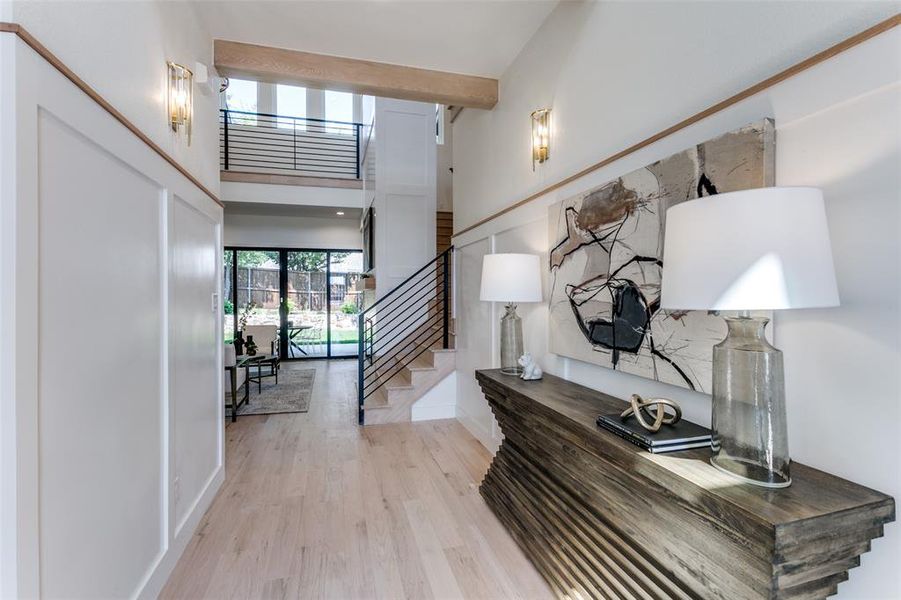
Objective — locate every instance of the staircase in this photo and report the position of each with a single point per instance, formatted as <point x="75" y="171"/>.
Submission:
<point x="406" y="344"/>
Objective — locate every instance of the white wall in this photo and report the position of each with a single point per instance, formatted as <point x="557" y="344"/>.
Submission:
<point x="270" y="231"/>
<point x="838" y="128"/>
<point x="404" y="188"/>
<point x="120" y="49"/>
<point x="297" y="195"/>
<point x="110" y="384"/>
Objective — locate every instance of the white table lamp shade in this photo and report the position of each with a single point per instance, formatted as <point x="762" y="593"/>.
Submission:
<point x="762" y="249"/>
<point x="511" y="278"/>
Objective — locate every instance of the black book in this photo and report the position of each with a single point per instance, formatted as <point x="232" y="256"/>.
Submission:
<point x="683" y="434"/>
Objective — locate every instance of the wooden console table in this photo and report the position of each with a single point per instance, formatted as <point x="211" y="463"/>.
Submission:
<point x="601" y="518"/>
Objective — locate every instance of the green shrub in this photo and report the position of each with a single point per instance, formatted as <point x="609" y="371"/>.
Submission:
<point x="229" y="307"/>
<point x="349" y="308"/>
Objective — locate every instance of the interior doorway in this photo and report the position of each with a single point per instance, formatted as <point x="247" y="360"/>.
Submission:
<point x="308" y="296"/>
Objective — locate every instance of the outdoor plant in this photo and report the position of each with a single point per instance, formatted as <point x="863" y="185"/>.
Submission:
<point x="229" y="307"/>
<point x="249" y="309"/>
<point x="349" y="308"/>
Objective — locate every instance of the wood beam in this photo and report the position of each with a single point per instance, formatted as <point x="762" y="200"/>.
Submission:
<point x="278" y="65"/>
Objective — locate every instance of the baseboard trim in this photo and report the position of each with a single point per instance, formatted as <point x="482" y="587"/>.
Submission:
<point x="160" y="573"/>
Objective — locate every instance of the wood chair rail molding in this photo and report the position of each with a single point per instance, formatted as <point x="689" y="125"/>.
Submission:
<point x="280" y="65"/>
<point x="601" y="518"/>
<point x="791" y="71"/>
<point x="58" y="64"/>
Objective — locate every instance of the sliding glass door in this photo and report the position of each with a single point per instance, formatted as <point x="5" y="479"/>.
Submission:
<point x="308" y="295"/>
<point x="307" y="299"/>
<point x="345" y="302"/>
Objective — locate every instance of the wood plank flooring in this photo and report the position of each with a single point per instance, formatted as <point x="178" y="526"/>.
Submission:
<point x="314" y="506"/>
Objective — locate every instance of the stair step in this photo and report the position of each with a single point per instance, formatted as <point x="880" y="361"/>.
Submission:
<point x="377" y="399"/>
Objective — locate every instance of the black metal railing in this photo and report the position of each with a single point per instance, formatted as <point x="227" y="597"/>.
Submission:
<point x="264" y="143"/>
<point x="403" y="324"/>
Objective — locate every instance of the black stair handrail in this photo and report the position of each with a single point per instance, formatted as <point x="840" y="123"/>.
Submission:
<point x="424" y="296"/>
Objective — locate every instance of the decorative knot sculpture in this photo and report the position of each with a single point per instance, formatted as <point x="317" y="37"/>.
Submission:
<point x="642" y="408"/>
<point x="530" y="369"/>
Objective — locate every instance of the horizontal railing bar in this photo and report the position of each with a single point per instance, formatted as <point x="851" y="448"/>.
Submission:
<point x="300" y="171"/>
<point x="397" y="287"/>
<point x="417" y="289"/>
<point x="288" y="166"/>
<point x="287" y="125"/>
<point x="410" y="286"/>
<point x="288" y="143"/>
<point x="427" y="320"/>
<point x="291" y="164"/>
<point x="290" y="158"/>
<point x="424" y="346"/>
<point x="277" y="133"/>
<point x="405" y="313"/>
<point x="426" y="326"/>
<point x="241" y="112"/>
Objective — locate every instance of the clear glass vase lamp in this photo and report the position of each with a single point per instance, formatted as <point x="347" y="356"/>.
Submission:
<point x="754" y="250"/>
<point x="511" y="279"/>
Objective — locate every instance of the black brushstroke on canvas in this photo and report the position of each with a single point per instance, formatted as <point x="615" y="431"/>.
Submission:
<point x="629" y="324"/>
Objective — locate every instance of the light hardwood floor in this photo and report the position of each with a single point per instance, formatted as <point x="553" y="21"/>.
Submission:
<point x="314" y="506"/>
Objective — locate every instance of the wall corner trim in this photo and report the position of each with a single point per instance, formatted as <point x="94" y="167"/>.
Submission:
<point x="31" y="41"/>
<point x="758" y="87"/>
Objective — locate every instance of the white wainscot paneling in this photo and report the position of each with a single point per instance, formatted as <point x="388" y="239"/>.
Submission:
<point x="96" y="429"/>
<point x="405" y="250"/>
<point x="100" y="399"/>
<point x="193" y="373"/>
<point x="476" y="346"/>
<point x="408" y="155"/>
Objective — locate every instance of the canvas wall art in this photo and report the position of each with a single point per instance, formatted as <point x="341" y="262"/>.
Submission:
<point x="606" y="261"/>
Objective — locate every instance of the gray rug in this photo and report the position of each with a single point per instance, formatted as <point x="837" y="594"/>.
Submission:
<point x="291" y="394"/>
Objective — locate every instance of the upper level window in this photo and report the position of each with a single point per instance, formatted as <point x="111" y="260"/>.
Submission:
<point x="339" y="106"/>
<point x="290" y="101"/>
<point x="241" y="95"/>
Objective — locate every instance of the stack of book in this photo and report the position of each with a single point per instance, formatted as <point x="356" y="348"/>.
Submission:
<point x="684" y="435"/>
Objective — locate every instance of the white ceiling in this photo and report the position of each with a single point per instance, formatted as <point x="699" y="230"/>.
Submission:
<point x="461" y="36"/>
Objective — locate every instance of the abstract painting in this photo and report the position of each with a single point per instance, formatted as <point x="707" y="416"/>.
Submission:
<point x="606" y="261"/>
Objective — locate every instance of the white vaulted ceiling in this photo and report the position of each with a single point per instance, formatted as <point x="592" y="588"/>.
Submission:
<point x="460" y="36"/>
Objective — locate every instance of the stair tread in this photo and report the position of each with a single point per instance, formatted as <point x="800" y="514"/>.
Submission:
<point x="378" y="399"/>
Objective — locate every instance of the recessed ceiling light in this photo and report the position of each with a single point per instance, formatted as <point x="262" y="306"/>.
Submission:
<point x="340" y="213"/>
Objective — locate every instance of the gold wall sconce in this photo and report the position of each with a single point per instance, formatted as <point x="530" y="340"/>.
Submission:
<point x="181" y="98"/>
<point x="541" y="136"/>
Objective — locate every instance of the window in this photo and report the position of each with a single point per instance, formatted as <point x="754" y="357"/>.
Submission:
<point x="339" y="106"/>
<point x="290" y="101"/>
<point x="241" y="95"/>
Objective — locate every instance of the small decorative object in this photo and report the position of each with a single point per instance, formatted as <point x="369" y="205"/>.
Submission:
<point x="530" y="369"/>
<point x="681" y="435"/>
<point x="239" y="343"/>
<point x="181" y="98"/>
<point x="763" y="249"/>
<point x="511" y="278"/>
<point x="250" y="346"/>
<point x="541" y="136"/>
<point x="641" y="408"/>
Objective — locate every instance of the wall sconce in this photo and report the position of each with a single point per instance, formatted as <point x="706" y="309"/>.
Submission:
<point x="541" y="136"/>
<point x="181" y="98"/>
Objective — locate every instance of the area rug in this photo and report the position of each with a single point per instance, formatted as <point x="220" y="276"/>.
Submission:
<point x="291" y="394"/>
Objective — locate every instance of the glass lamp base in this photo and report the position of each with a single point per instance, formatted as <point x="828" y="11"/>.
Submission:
<point x="511" y="341"/>
<point x="749" y="433"/>
<point x="750" y="473"/>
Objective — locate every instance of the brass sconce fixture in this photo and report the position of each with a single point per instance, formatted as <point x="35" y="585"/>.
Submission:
<point x="181" y="98"/>
<point x="541" y="136"/>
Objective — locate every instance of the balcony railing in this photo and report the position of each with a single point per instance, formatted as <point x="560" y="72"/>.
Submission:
<point x="264" y="143"/>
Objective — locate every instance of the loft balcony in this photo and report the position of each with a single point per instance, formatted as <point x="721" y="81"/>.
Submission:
<point x="266" y="148"/>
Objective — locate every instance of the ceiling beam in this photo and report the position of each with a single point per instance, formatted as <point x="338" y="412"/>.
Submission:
<point x="278" y="65"/>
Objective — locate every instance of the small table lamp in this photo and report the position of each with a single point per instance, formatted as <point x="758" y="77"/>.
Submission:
<point x="511" y="278"/>
<point x="762" y="249"/>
